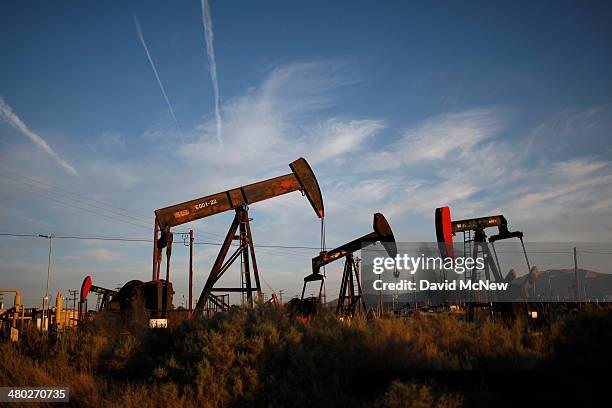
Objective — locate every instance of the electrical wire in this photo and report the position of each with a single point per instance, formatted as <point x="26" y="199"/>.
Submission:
<point x="74" y="196"/>
<point x="132" y="216"/>
<point x="268" y="246"/>
<point x="55" y="199"/>
<point x="129" y="239"/>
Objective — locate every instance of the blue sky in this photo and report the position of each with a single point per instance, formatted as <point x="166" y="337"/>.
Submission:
<point x="400" y="107"/>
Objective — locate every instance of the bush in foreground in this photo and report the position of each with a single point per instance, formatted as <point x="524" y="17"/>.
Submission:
<point x="265" y="357"/>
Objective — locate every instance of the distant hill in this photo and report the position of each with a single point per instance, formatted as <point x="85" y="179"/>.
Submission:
<point x="560" y="283"/>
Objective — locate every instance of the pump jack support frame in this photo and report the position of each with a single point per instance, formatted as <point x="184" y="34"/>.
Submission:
<point x="351" y="303"/>
<point x="246" y="249"/>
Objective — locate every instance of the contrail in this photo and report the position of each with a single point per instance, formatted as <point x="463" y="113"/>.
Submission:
<point x="210" y="50"/>
<point x="7" y="114"/>
<point x="159" y="82"/>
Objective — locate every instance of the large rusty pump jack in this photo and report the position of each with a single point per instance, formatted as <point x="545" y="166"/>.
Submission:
<point x="238" y="199"/>
<point x="350" y="301"/>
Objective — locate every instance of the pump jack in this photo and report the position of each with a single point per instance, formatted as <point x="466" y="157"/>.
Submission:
<point x="473" y="230"/>
<point x="87" y="287"/>
<point x="350" y="301"/>
<point x="446" y="229"/>
<point x="238" y="199"/>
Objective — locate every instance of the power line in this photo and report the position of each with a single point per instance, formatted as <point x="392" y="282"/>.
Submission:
<point x="112" y="218"/>
<point x="10" y="234"/>
<point x="143" y="222"/>
<point x="265" y="246"/>
<point x="96" y="238"/>
<point x="274" y="246"/>
<point x="149" y="240"/>
<point x="78" y="197"/>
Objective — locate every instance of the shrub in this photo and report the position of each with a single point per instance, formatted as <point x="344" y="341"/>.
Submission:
<point x="266" y="357"/>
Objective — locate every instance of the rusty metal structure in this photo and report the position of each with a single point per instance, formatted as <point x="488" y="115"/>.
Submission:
<point x="11" y="319"/>
<point x="475" y="243"/>
<point x="475" y="238"/>
<point x="87" y="287"/>
<point x="238" y="199"/>
<point x="151" y="299"/>
<point x="350" y="301"/>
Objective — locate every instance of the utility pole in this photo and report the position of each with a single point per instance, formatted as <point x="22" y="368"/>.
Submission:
<point x="190" y="272"/>
<point x="46" y="298"/>
<point x="73" y="295"/>
<point x="577" y="278"/>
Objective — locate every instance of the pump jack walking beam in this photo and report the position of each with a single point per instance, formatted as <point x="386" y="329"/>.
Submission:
<point x="301" y="179"/>
<point x="351" y="281"/>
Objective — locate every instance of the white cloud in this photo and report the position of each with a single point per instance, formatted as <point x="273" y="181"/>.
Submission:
<point x="153" y="67"/>
<point x="7" y="114"/>
<point x="271" y="121"/>
<point x="100" y="254"/>
<point x="212" y="61"/>
<point x="461" y="160"/>
<point x="446" y="136"/>
<point x="336" y="137"/>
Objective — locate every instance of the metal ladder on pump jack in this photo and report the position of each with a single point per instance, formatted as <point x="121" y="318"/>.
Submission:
<point x="467" y="250"/>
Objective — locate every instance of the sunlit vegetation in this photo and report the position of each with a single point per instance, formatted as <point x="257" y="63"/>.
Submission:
<point x="265" y="357"/>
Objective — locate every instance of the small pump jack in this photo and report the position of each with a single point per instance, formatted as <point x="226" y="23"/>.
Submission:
<point x="446" y="229"/>
<point x="87" y="287"/>
<point x="350" y="301"/>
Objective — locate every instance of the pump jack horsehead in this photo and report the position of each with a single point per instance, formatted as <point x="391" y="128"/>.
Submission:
<point x="238" y="199"/>
<point x="350" y="301"/>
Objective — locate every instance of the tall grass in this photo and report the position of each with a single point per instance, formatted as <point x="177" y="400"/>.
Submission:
<point x="266" y="357"/>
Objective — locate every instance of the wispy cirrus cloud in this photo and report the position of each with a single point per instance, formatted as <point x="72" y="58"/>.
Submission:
<point x="212" y="61"/>
<point x="462" y="160"/>
<point x="154" y="68"/>
<point x="283" y="114"/>
<point x="437" y="137"/>
<point x="7" y="114"/>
